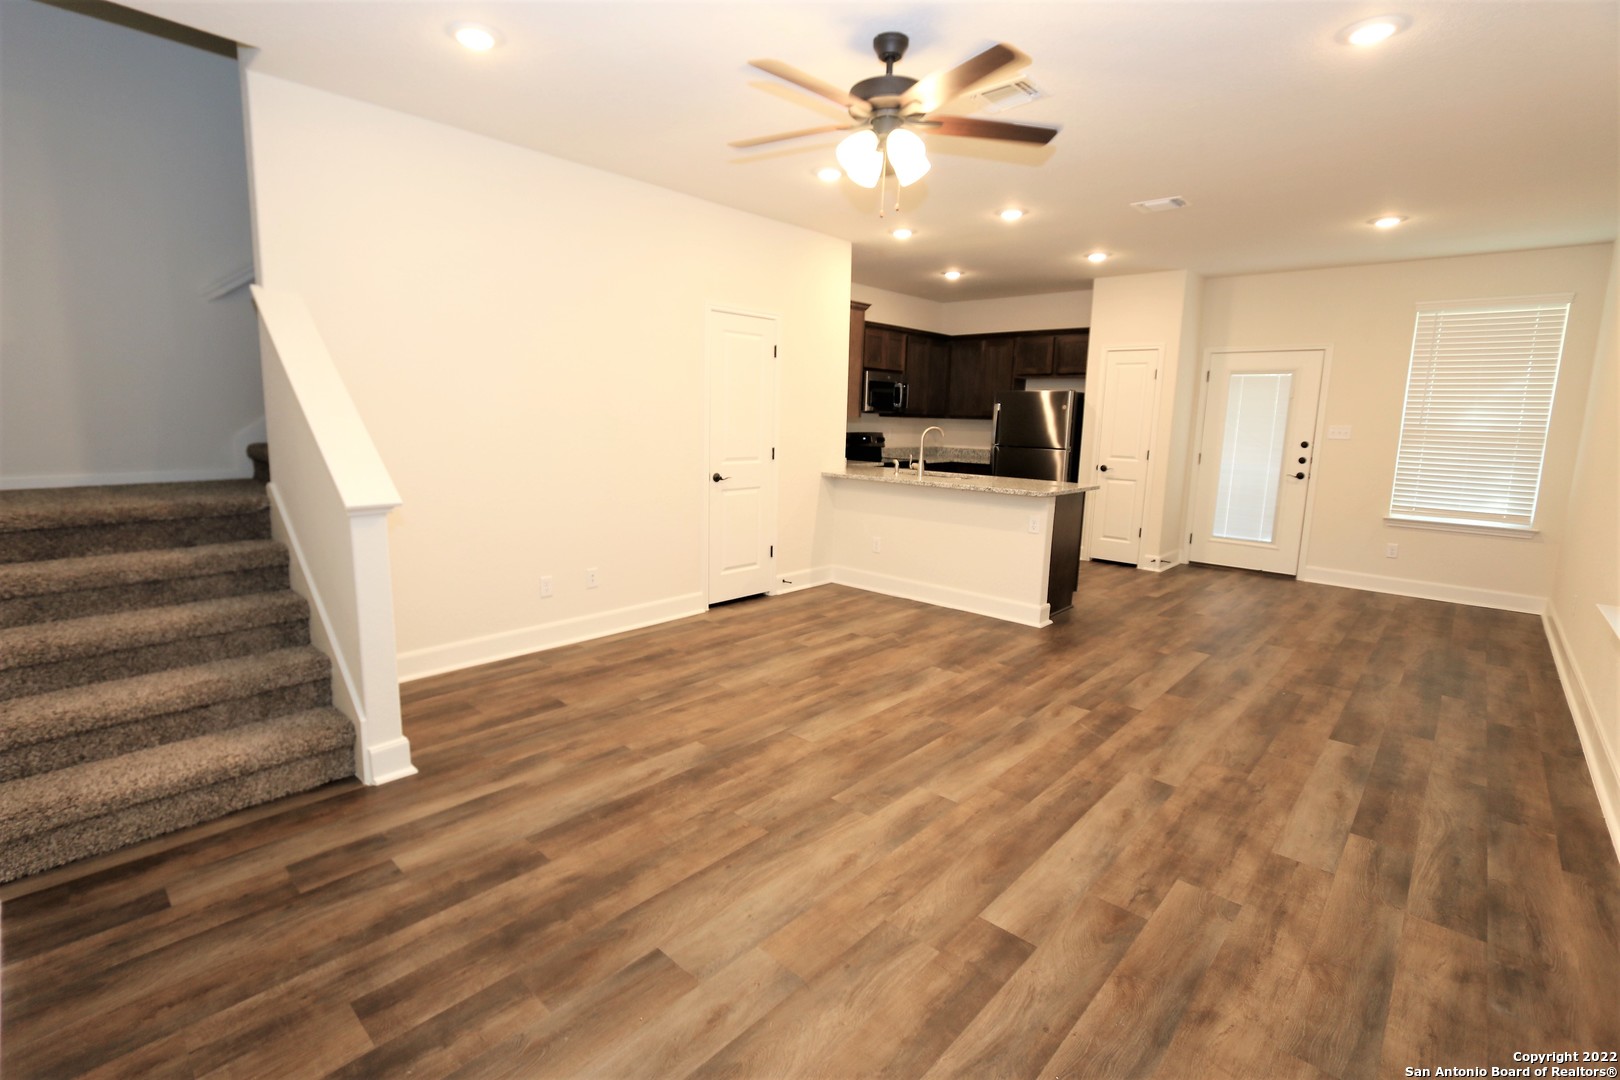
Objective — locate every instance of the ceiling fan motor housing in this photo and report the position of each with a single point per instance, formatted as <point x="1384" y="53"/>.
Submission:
<point x="890" y="46"/>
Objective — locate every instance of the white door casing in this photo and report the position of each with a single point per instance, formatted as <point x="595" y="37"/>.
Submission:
<point x="1259" y="422"/>
<point x="1124" y="436"/>
<point x="742" y="427"/>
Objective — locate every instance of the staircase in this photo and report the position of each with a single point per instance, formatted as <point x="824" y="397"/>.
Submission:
<point x="155" y="668"/>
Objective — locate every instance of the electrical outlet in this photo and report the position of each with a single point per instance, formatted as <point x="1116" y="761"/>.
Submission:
<point x="877" y="544"/>
<point x="1035" y="524"/>
<point x="1392" y="551"/>
<point x="590" y="578"/>
<point x="547" y="587"/>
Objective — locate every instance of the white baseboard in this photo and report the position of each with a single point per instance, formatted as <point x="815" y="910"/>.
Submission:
<point x="944" y="596"/>
<point x="389" y="761"/>
<point x="1602" y="760"/>
<point x="1162" y="562"/>
<point x="438" y="659"/>
<point x="802" y="579"/>
<point x="1425" y="590"/>
<point x="171" y="476"/>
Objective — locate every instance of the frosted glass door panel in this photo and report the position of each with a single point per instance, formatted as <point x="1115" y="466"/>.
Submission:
<point x="1256" y="431"/>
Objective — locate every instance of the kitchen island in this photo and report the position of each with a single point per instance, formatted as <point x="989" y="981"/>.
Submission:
<point x="994" y="545"/>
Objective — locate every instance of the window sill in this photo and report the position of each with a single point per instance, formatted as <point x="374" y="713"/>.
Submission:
<point x="1479" y="528"/>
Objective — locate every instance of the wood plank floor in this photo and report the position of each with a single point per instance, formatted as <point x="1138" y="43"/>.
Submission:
<point x="1210" y="824"/>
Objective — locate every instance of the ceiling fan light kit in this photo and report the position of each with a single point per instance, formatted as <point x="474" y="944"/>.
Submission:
<point x="886" y="107"/>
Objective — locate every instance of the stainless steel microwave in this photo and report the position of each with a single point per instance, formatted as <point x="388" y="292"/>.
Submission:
<point x="884" y="394"/>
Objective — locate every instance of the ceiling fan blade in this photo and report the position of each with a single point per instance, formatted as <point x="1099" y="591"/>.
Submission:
<point x="944" y="86"/>
<point x="809" y="82"/>
<point x="763" y="139"/>
<point x="990" y="129"/>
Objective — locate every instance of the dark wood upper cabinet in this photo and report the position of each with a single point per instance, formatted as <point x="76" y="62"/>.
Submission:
<point x="957" y="377"/>
<point x="857" y="357"/>
<point x="1069" y="352"/>
<point x="885" y="349"/>
<point x="1032" y="354"/>
<point x="928" y="374"/>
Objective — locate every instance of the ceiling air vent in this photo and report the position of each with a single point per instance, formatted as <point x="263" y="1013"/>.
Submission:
<point x="1158" y="206"/>
<point x="1009" y="95"/>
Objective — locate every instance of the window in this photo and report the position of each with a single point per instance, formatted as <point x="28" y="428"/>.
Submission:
<point x="1478" y="401"/>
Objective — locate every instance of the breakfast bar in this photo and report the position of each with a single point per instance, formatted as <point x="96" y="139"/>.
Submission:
<point x="999" y="546"/>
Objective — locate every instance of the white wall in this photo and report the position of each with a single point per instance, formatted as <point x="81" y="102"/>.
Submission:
<point x="1364" y="315"/>
<point x="1047" y="311"/>
<point x="1159" y="310"/>
<point x="524" y="338"/>
<point x="1588" y="570"/>
<point x="898" y="309"/>
<point x="124" y="198"/>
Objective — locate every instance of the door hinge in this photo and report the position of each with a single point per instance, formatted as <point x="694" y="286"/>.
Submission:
<point x="1148" y="456"/>
<point x="1189" y="538"/>
<point x="1206" y="376"/>
<point x="1155" y="373"/>
<point x="1200" y="459"/>
<point x="773" y="350"/>
<point x="1139" y="534"/>
<point x="773" y="453"/>
<point x="773" y="551"/>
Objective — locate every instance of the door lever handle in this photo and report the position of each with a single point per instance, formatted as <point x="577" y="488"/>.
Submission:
<point x="718" y="478"/>
<point x="1299" y="476"/>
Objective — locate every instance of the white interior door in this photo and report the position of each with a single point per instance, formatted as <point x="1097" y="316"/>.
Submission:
<point x="1124" y="434"/>
<point x="742" y="473"/>
<point x="1254" y="461"/>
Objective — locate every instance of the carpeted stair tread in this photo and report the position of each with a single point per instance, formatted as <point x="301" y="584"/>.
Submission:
<point x="37" y="804"/>
<point x="133" y="567"/>
<point x="96" y="635"/>
<point x="59" y="508"/>
<point x="62" y="713"/>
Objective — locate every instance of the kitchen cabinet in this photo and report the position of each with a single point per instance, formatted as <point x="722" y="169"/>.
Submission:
<point x="981" y="368"/>
<point x="1069" y="352"/>
<point x="1032" y="354"/>
<point x="857" y="357"/>
<point x="928" y="374"/>
<point x="885" y="349"/>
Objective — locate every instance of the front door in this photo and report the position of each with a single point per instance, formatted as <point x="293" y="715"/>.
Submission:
<point x="742" y="472"/>
<point x="1125" y="432"/>
<point x="1254" y="461"/>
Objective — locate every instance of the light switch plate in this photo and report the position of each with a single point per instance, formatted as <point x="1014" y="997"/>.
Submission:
<point x="1339" y="431"/>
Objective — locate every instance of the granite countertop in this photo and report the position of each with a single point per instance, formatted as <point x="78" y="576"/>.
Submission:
<point x="997" y="485"/>
<point x="902" y="452"/>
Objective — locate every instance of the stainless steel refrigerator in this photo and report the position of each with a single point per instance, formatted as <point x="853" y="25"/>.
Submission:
<point x="1037" y="434"/>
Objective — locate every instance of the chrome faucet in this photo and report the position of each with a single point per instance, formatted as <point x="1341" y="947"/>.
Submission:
<point x="922" y="465"/>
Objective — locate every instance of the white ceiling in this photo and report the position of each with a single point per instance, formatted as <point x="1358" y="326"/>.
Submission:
<point x="1492" y="125"/>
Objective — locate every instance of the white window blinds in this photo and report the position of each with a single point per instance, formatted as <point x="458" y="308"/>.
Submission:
<point x="1479" y="397"/>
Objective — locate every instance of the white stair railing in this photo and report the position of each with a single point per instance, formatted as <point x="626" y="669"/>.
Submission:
<point x="330" y="497"/>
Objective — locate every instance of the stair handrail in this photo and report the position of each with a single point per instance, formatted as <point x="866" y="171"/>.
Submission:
<point x="330" y="496"/>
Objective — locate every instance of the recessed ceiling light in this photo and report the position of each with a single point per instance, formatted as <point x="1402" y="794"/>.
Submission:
<point x="952" y="275"/>
<point x="1097" y="257"/>
<point x="474" y="36"/>
<point x="829" y="175"/>
<point x="1012" y="213"/>
<point x="1389" y="221"/>
<point x="1372" y="31"/>
<point x="902" y="234"/>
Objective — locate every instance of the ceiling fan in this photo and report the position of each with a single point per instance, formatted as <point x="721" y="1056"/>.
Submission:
<point x="886" y="107"/>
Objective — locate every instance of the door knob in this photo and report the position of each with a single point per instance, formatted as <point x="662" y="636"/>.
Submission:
<point x="718" y="478"/>
<point x="1304" y="446"/>
<point x="1102" y="468"/>
<point x="1302" y="461"/>
<point x="1299" y="476"/>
